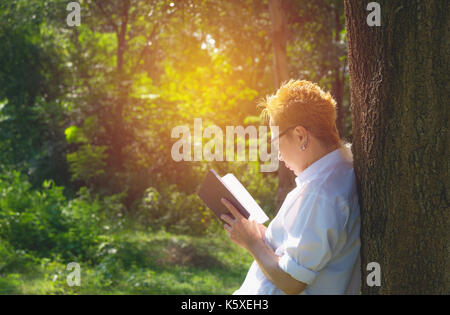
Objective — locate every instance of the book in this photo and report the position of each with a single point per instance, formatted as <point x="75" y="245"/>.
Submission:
<point x="214" y="188"/>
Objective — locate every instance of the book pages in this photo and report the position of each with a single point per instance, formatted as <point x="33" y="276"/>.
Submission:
<point x="243" y="196"/>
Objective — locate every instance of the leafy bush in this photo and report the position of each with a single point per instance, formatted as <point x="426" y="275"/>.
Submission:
<point x="29" y="219"/>
<point x="45" y="223"/>
<point x="6" y="255"/>
<point x="175" y="211"/>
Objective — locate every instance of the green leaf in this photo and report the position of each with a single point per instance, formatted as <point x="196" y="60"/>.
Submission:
<point x="74" y="135"/>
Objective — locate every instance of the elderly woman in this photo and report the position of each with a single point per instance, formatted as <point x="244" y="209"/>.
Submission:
<point x="312" y="245"/>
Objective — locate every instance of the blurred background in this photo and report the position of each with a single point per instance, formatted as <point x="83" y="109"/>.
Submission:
<point x="86" y="113"/>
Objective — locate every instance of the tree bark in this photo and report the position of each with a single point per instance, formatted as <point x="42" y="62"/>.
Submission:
<point x="398" y="80"/>
<point x="122" y="87"/>
<point x="285" y="176"/>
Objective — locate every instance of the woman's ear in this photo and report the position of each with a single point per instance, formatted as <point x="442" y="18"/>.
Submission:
<point x="300" y="132"/>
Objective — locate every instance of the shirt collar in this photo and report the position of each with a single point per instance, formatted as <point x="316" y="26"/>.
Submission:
<point x="311" y="171"/>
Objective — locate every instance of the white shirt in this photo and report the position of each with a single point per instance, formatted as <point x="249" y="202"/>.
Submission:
<point x="316" y="231"/>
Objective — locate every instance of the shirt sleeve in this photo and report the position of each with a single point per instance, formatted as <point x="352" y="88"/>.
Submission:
<point x="313" y="232"/>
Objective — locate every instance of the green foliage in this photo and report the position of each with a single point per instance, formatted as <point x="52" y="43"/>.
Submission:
<point x="88" y="162"/>
<point x="175" y="211"/>
<point x="7" y="254"/>
<point x="138" y="262"/>
<point x="74" y="135"/>
<point x="44" y="223"/>
<point x="24" y="220"/>
<point x="33" y="82"/>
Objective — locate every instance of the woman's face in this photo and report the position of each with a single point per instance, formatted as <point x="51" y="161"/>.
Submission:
<point x="289" y="149"/>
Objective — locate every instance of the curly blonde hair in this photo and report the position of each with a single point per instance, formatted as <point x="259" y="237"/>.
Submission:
<point x="301" y="102"/>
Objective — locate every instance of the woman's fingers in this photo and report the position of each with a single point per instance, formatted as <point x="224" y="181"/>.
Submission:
<point x="228" y="229"/>
<point x="228" y="219"/>
<point x="235" y="212"/>
<point x="262" y="228"/>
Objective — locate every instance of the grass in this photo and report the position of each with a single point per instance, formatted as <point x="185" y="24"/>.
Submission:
<point x="138" y="262"/>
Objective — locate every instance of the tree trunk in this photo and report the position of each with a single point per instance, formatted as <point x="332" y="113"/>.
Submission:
<point x="122" y="89"/>
<point x="398" y="81"/>
<point x="285" y="176"/>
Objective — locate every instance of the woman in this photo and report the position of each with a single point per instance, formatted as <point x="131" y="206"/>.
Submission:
<point x="312" y="245"/>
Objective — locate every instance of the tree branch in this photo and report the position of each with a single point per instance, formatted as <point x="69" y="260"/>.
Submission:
<point x="144" y="50"/>
<point x="108" y="17"/>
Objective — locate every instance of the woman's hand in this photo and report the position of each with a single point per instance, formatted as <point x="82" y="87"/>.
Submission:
<point x="262" y="230"/>
<point x="250" y="235"/>
<point x="241" y="231"/>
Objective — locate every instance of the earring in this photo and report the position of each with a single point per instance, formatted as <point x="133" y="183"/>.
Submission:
<point x="304" y="145"/>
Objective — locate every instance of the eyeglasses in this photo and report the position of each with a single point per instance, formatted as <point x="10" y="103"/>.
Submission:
<point x="283" y="133"/>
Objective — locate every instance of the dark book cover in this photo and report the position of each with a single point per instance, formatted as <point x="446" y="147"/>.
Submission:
<point x="213" y="189"/>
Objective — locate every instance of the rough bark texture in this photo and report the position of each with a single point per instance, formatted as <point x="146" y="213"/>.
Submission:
<point x="399" y="100"/>
<point x="285" y="176"/>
